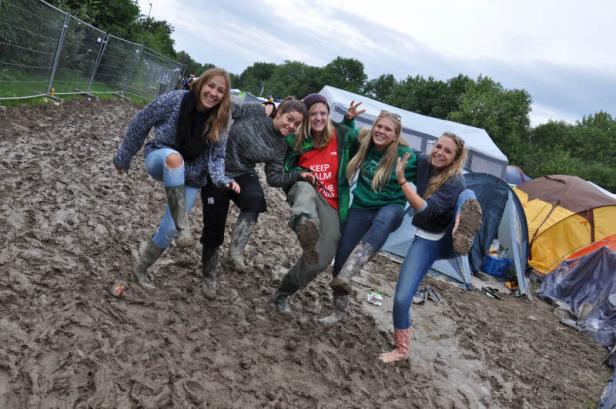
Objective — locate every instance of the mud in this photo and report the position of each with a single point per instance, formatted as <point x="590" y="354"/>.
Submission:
<point x="69" y="227"/>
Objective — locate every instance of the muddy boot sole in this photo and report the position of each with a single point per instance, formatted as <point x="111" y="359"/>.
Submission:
<point x="184" y="240"/>
<point x="308" y="235"/>
<point x="470" y="221"/>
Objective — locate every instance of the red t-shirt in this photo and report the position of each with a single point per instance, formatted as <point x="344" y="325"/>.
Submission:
<point x="324" y="163"/>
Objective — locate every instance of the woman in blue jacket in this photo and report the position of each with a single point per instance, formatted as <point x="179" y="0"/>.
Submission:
<point x="439" y="202"/>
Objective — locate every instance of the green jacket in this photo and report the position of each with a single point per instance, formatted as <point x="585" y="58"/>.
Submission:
<point x="347" y="148"/>
<point x="366" y="198"/>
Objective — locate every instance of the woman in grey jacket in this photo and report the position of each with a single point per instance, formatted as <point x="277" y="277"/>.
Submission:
<point x="190" y="138"/>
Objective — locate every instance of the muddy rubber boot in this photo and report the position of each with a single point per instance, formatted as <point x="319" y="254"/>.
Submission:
<point x="402" y="338"/>
<point x="148" y="254"/>
<point x="176" y="198"/>
<point x="307" y="231"/>
<point x="241" y="235"/>
<point x="467" y="224"/>
<point x="340" y="305"/>
<point x="361" y="254"/>
<point x="209" y="270"/>
<point x="282" y="304"/>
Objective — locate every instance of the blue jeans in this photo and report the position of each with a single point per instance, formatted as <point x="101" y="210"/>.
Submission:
<point x="420" y="257"/>
<point x="369" y="225"/>
<point x="155" y="166"/>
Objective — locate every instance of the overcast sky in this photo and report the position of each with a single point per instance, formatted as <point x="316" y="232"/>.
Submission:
<point x="562" y="52"/>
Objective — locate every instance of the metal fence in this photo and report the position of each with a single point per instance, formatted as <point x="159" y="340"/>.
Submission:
<point x="45" y="51"/>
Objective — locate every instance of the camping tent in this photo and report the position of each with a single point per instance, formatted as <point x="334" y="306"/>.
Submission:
<point x="420" y="131"/>
<point x="516" y="176"/>
<point x="564" y="213"/>
<point x="587" y="284"/>
<point x="503" y="218"/>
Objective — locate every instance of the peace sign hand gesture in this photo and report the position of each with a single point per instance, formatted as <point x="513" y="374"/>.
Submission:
<point x="353" y="112"/>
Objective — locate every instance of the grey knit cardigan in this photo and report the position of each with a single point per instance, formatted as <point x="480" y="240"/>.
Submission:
<point x="162" y="114"/>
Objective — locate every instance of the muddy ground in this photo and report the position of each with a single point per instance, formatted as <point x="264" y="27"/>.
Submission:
<point x="69" y="224"/>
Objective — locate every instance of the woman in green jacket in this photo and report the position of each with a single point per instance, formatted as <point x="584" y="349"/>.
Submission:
<point x="318" y="210"/>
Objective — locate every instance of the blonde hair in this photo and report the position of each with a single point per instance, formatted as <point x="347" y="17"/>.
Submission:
<point x="305" y="132"/>
<point x="388" y="160"/>
<point x="219" y="117"/>
<point x="453" y="169"/>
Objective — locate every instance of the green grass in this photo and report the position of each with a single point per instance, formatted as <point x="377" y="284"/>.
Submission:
<point x="23" y="85"/>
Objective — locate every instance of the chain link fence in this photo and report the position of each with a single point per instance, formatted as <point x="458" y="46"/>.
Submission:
<point x="45" y="51"/>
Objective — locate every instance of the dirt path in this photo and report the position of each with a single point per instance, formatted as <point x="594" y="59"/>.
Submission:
<point x="69" y="225"/>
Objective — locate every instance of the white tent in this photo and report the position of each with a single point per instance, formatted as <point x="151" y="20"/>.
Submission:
<point x="420" y="131"/>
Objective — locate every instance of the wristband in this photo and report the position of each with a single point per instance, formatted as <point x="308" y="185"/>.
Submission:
<point x="402" y="183"/>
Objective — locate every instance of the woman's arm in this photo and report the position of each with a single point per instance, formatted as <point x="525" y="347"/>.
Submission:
<point x="155" y="112"/>
<point x="247" y="110"/>
<point x="416" y="201"/>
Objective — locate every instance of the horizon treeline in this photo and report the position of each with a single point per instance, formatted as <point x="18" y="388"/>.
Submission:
<point x="584" y="148"/>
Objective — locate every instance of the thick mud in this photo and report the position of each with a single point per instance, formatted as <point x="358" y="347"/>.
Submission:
<point x="69" y="227"/>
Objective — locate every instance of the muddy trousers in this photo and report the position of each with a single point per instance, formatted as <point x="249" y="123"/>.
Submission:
<point x="306" y="201"/>
<point x="155" y="166"/>
<point x="372" y="226"/>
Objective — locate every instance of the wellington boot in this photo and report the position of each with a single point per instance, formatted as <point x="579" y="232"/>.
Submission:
<point x="209" y="270"/>
<point x="176" y="198"/>
<point x="361" y="254"/>
<point x="340" y="305"/>
<point x="466" y="226"/>
<point x="282" y="304"/>
<point x="241" y="235"/>
<point x="148" y="254"/>
<point x="308" y="235"/>
<point x="402" y="339"/>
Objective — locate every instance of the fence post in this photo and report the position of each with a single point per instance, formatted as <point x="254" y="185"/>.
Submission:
<point x="58" y="52"/>
<point x="99" y="57"/>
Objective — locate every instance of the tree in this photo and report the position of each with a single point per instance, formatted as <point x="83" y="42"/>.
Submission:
<point x="380" y="88"/>
<point x="345" y="73"/>
<point x="502" y="113"/>
<point x="294" y="78"/>
<point x="118" y="19"/>
<point x="253" y="78"/>
<point x="155" y="34"/>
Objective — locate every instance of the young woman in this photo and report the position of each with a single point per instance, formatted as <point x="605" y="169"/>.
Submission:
<point x="187" y="148"/>
<point x="252" y="140"/>
<point x="378" y="204"/>
<point x="440" y="196"/>
<point x="323" y="148"/>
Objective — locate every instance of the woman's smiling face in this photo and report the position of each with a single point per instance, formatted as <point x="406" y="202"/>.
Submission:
<point x="384" y="133"/>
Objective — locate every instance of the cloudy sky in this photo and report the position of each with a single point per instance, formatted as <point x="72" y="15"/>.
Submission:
<point x="562" y="52"/>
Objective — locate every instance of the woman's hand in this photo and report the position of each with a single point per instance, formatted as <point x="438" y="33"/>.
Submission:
<point x="234" y="187"/>
<point x="308" y="177"/>
<point x="401" y="167"/>
<point x="352" y="112"/>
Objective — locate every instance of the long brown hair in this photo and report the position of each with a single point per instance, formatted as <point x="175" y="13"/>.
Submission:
<point x="454" y="168"/>
<point x="219" y="116"/>
<point x="388" y="160"/>
<point x="305" y="132"/>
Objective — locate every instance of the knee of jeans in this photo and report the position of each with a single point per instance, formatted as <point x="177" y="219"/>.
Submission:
<point x="465" y="195"/>
<point x="391" y="215"/>
<point x="174" y="161"/>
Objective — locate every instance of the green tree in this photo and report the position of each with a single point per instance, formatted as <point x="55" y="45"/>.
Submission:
<point x="502" y="113"/>
<point x="380" y="88"/>
<point x="345" y="73"/>
<point x="155" y="34"/>
<point x="294" y="78"/>
<point x="254" y="78"/>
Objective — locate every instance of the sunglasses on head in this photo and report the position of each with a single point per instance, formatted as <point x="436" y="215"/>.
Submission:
<point x="391" y="114"/>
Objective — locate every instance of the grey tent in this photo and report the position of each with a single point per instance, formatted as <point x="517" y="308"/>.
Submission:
<point x="420" y="131"/>
<point x="503" y="218"/>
